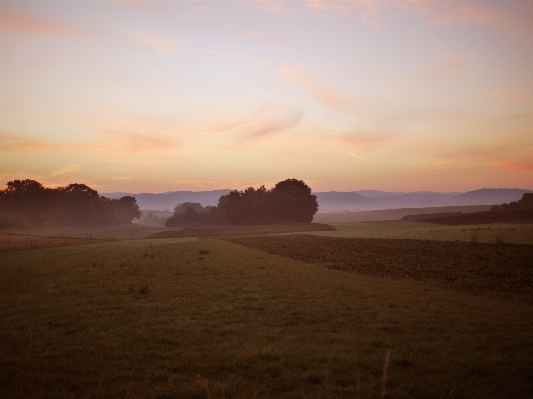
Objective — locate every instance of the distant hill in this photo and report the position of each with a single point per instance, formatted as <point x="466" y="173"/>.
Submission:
<point x="339" y="201"/>
<point x="368" y="200"/>
<point x="490" y="196"/>
<point x="169" y="200"/>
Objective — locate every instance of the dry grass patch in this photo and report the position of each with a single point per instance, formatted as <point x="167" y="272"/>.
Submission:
<point x="157" y="319"/>
<point x="244" y="230"/>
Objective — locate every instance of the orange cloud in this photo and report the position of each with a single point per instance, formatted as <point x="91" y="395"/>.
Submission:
<point x="516" y="164"/>
<point x="511" y="96"/>
<point x="446" y="165"/>
<point x="119" y="141"/>
<point x="14" y="143"/>
<point x="66" y="169"/>
<point x="19" y="23"/>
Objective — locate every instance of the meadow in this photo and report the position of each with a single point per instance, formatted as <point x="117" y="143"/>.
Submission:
<point x="211" y="318"/>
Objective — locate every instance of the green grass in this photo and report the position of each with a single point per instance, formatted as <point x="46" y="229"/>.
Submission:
<point x="512" y="233"/>
<point x="43" y="237"/>
<point x="211" y="319"/>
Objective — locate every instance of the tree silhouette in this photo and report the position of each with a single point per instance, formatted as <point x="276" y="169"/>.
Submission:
<point x="28" y="201"/>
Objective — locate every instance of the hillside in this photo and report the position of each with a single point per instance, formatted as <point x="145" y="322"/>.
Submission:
<point x="390" y="214"/>
<point x="489" y="196"/>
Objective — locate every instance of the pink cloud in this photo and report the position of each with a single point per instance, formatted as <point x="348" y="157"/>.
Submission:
<point x="442" y="13"/>
<point x="19" y="23"/>
<point x="272" y="120"/>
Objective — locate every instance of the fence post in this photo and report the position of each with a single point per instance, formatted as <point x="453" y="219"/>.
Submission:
<point x="8" y="243"/>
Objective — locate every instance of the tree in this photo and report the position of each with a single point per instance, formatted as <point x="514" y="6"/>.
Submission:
<point x="289" y="201"/>
<point x="24" y="186"/>
<point x="526" y="201"/>
<point x="75" y="204"/>
<point x="125" y="209"/>
<point x="294" y="201"/>
<point x="186" y="205"/>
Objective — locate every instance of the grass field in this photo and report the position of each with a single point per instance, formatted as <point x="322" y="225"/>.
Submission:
<point x="44" y="237"/>
<point x="511" y="233"/>
<point x="163" y="318"/>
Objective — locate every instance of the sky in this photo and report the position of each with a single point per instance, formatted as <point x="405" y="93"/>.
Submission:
<point x="155" y="96"/>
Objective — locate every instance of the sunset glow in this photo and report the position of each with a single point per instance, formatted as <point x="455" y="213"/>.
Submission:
<point x="154" y="96"/>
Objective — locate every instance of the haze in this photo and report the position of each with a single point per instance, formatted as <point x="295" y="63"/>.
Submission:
<point x="154" y="96"/>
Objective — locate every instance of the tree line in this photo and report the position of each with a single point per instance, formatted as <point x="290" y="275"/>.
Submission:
<point x="28" y="201"/>
<point x="525" y="202"/>
<point x="289" y="201"/>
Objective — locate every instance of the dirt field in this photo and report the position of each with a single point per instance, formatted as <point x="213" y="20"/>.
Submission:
<point x="506" y="216"/>
<point x="504" y="268"/>
<point x="244" y="230"/>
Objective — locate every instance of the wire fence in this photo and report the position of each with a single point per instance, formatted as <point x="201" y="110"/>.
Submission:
<point x="21" y="241"/>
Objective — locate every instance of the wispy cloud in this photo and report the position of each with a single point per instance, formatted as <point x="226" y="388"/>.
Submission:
<point x="511" y="96"/>
<point x="272" y="120"/>
<point x="515" y="164"/>
<point x="107" y="142"/>
<point x="66" y="169"/>
<point x="419" y="162"/>
<point x="224" y="55"/>
<point x="160" y="44"/>
<point x="16" y="143"/>
<point x="320" y="93"/>
<point x="366" y="142"/>
<point x="355" y="156"/>
<point x="15" y="22"/>
<point x="441" y="13"/>
<point x="274" y="6"/>
<point x="458" y="12"/>
<point x="132" y="142"/>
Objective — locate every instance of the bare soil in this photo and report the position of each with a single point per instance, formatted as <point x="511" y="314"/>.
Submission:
<point x="506" y="268"/>
<point x="505" y="216"/>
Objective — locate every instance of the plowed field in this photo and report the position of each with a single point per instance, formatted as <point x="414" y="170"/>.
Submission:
<point x="506" y="216"/>
<point x="504" y="268"/>
<point x="244" y="230"/>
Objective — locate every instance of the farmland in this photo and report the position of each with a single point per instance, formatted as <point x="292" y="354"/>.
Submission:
<point x="266" y="317"/>
<point x="489" y="233"/>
